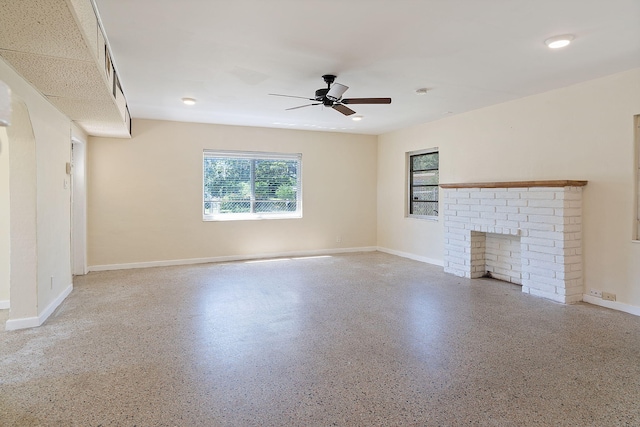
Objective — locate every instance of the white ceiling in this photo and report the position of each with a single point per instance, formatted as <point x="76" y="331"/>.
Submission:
<point x="230" y="54"/>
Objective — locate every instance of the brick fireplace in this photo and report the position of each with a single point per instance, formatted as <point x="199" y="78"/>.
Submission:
<point x="527" y="232"/>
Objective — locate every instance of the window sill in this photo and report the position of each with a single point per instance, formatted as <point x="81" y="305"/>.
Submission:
<point x="426" y="218"/>
<point x="248" y="217"/>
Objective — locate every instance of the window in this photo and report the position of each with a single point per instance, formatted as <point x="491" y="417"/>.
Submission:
<point x="423" y="183"/>
<point x="245" y="185"/>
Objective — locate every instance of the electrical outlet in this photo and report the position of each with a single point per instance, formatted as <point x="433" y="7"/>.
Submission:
<point x="338" y="239"/>
<point x="51" y="282"/>
<point x="595" y="293"/>
<point x="608" y="296"/>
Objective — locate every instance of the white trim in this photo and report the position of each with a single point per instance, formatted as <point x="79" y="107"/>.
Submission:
<point x="614" y="305"/>
<point x="414" y="257"/>
<point x="172" y="262"/>
<point x="23" y="323"/>
<point x="33" y="322"/>
<point x="4" y="304"/>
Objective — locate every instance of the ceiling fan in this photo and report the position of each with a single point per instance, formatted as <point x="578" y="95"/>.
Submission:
<point x="331" y="96"/>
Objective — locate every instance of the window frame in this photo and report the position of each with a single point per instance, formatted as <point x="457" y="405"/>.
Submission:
<point x="253" y="155"/>
<point x="409" y="184"/>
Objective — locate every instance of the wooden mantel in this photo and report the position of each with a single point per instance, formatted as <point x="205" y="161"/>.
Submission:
<point x="517" y="184"/>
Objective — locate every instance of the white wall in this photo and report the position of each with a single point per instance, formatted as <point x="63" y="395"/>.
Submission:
<point x="582" y="132"/>
<point x="46" y="170"/>
<point x="145" y="194"/>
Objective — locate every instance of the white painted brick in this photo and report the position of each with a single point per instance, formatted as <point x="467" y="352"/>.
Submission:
<point x="546" y="203"/>
<point x="451" y="218"/>
<point x="494" y="215"/>
<point x="493" y="202"/>
<point x="572" y="203"/>
<point x="529" y="210"/>
<point x="458" y="243"/>
<point x="546" y="250"/>
<point x="553" y="190"/>
<point x="536" y="273"/>
<point x="453" y="236"/>
<point x="482" y="195"/>
<point x="508" y="209"/>
<point x="517" y="202"/>
<point x="469" y="201"/>
<point x="508" y="195"/>
<point x="550" y="235"/>
<point x="572" y="212"/>
<point x="569" y="244"/>
<point x="456" y="230"/>
<point x="570" y="195"/>
<point x="483" y="208"/>
<point x="507" y="224"/>
<point x="539" y="288"/>
<point x="546" y="195"/>
<point x="456" y="206"/>
<point x="459" y="195"/>
<point x="574" y="259"/>
<point x="539" y="256"/>
<point x="536" y="226"/>
<point x="568" y="275"/>
<point x="539" y="279"/>
<point x="493" y="190"/>
<point x="569" y="228"/>
<point x="551" y="266"/>
<point x="517" y="217"/>
<point x="546" y="219"/>
<point x="540" y="242"/>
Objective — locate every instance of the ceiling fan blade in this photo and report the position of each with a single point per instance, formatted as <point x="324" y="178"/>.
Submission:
<point x="366" y="101"/>
<point x="343" y="109"/>
<point x="302" y="106"/>
<point x="291" y="96"/>
<point x="336" y="91"/>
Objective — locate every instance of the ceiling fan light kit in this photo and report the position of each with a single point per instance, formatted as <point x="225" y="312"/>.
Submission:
<point x="558" y="42"/>
<point x="331" y="97"/>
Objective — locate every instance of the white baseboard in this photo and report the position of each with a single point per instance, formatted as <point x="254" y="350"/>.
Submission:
<point x="33" y="322"/>
<point x="412" y="256"/>
<point x="614" y="305"/>
<point x="168" y="263"/>
<point x="4" y="304"/>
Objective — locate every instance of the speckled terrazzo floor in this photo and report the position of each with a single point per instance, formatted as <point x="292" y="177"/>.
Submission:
<point x="349" y="340"/>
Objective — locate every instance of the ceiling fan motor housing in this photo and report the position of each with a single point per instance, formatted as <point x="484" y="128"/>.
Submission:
<point x="321" y="93"/>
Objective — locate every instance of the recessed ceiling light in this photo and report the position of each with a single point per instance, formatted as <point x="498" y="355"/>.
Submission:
<point x="189" y="101"/>
<point x="422" y="91"/>
<point x="356" y="118"/>
<point x="559" y="41"/>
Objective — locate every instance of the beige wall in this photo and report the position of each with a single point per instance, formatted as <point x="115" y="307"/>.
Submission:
<point x="4" y="217"/>
<point x="145" y="194"/>
<point x="40" y="168"/>
<point x="579" y="132"/>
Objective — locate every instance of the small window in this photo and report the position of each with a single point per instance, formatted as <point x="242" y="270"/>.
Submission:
<point x="423" y="183"/>
<point x="249" y="185"/>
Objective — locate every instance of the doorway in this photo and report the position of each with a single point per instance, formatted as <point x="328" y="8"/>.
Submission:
<point x="78" y="207"/>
